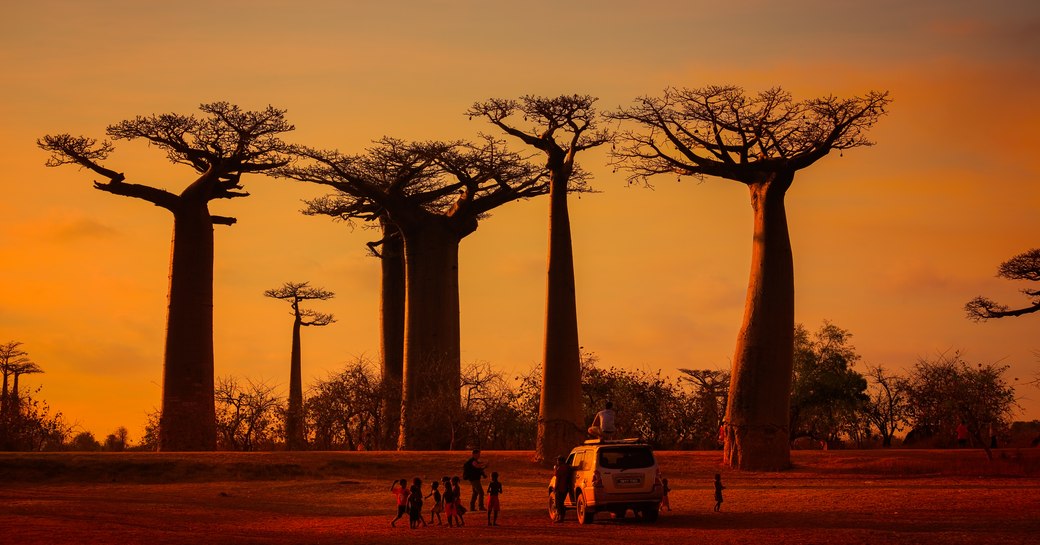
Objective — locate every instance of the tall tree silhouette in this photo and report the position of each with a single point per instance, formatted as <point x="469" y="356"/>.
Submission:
<point x="560" y="128"/>
<point x="295" y="293"/>
<point x="1024" y="266"/>
<point x="434" y="193"/>
<point x="389" y="249"/>
<point x="760" y="141"/>
<point x="220" y="147"/>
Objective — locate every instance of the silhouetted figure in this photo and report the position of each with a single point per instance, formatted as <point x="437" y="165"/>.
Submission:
<point x="718" y="492"/>
<point x="415" y="501"/>
<point x="494" y="490"/>
<point x="473" y="471"/>
<point x="438" y="502"/>
<point x="456" y="489"/>
<point x="665" y="489"/>
<point x="400" y="490"/>
<point x="450" y="503"/>
<point x="962" y="435"/>
<point x="562" y="473"/>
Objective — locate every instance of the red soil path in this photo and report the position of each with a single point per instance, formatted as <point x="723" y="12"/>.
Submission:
<point x="837" y="497"/>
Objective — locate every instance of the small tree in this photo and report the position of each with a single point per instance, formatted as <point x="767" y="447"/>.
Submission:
<point x="710" y="391"/>
<point x="220" y="147"/>
<point x="760" y="141"/>
<point x="84" y="441"/>
<point x="246" y="415"/>
<point x="888" y="407"/>
<point x="946" y="391"/>
<point x="826" y="393"/>
<point x="295" y="293"/>
<point x="344" y="409"/>
<point x="1024" y="266"/>
<point x="117" y="440"/>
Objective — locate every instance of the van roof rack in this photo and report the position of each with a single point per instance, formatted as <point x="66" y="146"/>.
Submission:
<point x="625" y="441"/>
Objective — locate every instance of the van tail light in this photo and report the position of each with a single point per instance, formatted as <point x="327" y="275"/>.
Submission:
<point x="657" y="478"/>
<point x="597" y="480"/>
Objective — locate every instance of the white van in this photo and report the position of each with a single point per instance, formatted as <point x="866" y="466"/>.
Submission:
<point x="612" y="476"/>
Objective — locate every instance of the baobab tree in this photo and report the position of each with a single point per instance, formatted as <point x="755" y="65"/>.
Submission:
<point x="295" y="293"/>
<point x="435" y="193"/>
<point x="1024" y="266"/>
<point x="220" y="147"/>
<point x="560" y="128"/>
<point x="761" y="141"/>
<point x="13" y="361"/>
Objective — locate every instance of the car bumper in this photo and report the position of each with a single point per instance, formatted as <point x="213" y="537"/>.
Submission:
<point x="601" y="498"/>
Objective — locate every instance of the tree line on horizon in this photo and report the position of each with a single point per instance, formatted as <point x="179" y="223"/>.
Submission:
<point x="425" y="197"/>
<point x="836" y="402"/>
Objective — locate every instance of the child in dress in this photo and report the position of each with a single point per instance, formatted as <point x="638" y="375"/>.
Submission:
<point x="449" y="502"/>
<point x="459" y="509"/>
<point x="438" y="503"/>
<point x="493" y="490"/>
<point x="400" y="490"/>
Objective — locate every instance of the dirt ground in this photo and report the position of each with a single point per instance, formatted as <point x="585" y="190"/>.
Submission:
<point x="836" y="497"/>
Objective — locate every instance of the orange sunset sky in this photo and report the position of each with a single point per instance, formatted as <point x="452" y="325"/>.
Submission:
<point x="889" y="241"/>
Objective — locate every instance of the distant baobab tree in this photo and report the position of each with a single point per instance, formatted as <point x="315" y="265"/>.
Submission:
<point x="1024" y="266"/>
<point x="560" y="128"/>
<point x="434" y="193"/>
<point x="220" y="147"/>
<point x="14" y="362"/>
<point x="760" y="141"/>
<point x="295" y="293"/>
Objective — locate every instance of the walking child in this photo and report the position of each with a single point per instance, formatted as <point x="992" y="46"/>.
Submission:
<point x="449" y="502"/>
<point x="438" y="502"/>
<point x="664" y="495"/>
<point x="459" y="509"/>
<point x="718" y="492"/>
<point x="415" y="504"/>
<point x="400" y="490"/>
<point x="493" y="507"/>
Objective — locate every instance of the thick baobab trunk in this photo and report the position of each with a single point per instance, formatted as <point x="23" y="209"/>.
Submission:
<point x="188" y="421"/>
<point x="294" y="417"/>
<point x="432" y="362"/>
<point x="560" y="425"/>
<point x="757" y="436"/>
<point x="391" y="341"/>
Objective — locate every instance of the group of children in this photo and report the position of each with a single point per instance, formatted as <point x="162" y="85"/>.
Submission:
<point x="410" y="500"/>
<point x="449" y="502"/>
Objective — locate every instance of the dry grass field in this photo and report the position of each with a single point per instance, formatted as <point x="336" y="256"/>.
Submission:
<point x="836" y="497"/>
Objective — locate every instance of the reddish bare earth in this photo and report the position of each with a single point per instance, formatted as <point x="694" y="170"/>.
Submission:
<point x="836" y="497"/>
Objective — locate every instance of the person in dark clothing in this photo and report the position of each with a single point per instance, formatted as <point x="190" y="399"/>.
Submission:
<point x="473" y="471"/>
<point x="563" y="479"/>
<point x="718" y="492"/>
<point x="494" y="490"/>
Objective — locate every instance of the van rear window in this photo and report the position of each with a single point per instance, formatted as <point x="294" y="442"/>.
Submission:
<point x="625" y="458"/>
